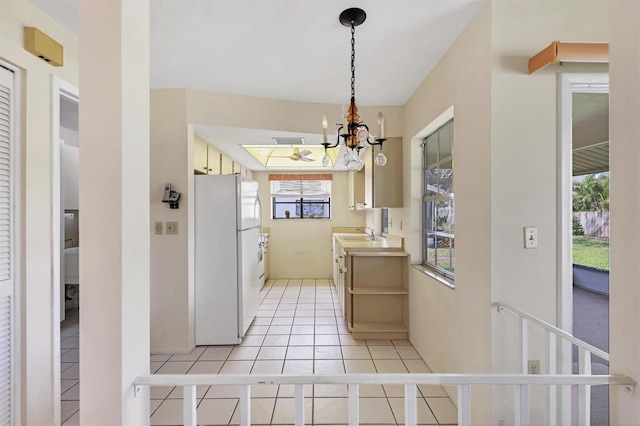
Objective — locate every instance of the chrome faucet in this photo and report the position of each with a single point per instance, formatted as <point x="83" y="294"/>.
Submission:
<point x="372" y="235"/>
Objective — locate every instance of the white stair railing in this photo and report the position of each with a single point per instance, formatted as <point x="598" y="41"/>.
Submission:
<point x="521" y="382"/>
<point x="552" y="333"/>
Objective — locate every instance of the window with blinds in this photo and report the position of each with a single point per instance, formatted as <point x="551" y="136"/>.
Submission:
<point x="301" y="199"/>
<point x="7" y="375"/>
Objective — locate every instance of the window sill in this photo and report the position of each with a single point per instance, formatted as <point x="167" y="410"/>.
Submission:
<point x="436" y="276"/>
<point x="301" y="218"/>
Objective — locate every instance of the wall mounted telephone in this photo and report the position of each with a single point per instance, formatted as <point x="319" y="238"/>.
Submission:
<point x="171" y="197"/>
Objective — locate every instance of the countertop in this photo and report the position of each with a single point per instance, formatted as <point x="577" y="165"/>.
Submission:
<point x="391" y="242"/>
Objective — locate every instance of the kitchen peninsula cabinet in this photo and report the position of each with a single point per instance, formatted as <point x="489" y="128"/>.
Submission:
<point x="376" y="284"/>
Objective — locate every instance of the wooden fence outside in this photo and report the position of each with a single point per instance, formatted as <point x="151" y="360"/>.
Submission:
<point x="595" y="224"/>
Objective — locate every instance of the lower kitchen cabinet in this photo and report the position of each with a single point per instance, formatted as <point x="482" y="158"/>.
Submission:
<point x="377" y="305"/>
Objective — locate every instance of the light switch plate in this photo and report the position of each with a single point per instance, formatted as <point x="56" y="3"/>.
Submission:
<point x="172" y="228"/>
<point x="158" y="228"/>
<point x="530" y="237"/>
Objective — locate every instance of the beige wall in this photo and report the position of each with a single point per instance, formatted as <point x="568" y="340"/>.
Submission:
<point x="505" y="179"/>
<point x="523" y="167"/>
<point x="36" y="251"/>
<point x="171" y="281"/>
<point x="624" y="158"/>
<point x="223" y="109"/>
<point x="173" y="112"/>
<point x="114" y="189"/>
<point x="302" y="248"/>
<point x="449" y="325"/>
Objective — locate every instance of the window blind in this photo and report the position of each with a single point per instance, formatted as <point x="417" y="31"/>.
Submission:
<point x="301" y="188"/>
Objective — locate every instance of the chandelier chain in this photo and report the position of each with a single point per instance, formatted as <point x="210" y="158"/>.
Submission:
<point x="353" y="61"/>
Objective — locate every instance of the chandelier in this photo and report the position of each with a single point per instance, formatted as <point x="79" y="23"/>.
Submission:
<point x="355" y="133"/>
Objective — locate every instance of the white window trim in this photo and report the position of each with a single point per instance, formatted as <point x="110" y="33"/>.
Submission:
<point x="449" y="276"/>
<point x="414" y="245"/>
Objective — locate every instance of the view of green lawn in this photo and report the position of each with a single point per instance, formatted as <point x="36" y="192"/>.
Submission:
<point x="591" y="251"/>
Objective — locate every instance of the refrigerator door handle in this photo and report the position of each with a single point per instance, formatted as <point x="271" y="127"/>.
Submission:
<point x="259" y="203"/>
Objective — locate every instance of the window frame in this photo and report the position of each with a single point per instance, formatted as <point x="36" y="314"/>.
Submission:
<point x="299" y="203"/>
<point x="427" y="198"/>
<point x="384" y="221"/>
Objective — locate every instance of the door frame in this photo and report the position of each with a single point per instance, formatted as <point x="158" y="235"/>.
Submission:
<point x="567" y="85"/>
<point x="59" y="88"/>
<point x="16" y="178"/>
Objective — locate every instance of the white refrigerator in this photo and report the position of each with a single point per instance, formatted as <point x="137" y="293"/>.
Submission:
<point x="228" y="257"/>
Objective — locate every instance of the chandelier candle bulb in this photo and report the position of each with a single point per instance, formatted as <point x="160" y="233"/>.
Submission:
<point x="325" y="125"/>
<point x="381" y="123"/>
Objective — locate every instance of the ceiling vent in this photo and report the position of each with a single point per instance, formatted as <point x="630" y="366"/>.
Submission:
<point x="288" y="141"/>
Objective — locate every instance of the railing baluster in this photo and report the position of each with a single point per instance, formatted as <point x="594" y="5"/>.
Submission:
<point x="552" y="391"/>
<point x="245" y="405"/>
<point x="516" y="405"/>
<point x="464" y="405"/>
<point x="524" y="346"/>
<point x="299" y="404"/>
<point x="584" y="392"/>
<point x="354" y="404"/>
<point x="189" y="413"/>
<point x="410" y="413"/>
<point x="522" y="414"/>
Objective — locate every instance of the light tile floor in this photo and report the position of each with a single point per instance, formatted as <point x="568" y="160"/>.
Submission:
<point x="70" y="368"/>
<point x="299" y="329"/>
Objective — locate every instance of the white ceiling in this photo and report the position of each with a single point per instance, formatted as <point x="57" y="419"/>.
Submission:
<point x="294" y="50"/>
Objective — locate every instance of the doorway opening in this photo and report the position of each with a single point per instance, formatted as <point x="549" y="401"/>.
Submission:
<point x="583" y="222"/>
<point x="65" y="149"/>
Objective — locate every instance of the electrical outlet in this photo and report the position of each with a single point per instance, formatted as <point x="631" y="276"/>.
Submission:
<point x="401" y="224"/>
<point x="172" y="228"/>
<point x="158" y="228"/>
<point x="533" y="366"/>
<point x="530" y="237"/>
<point x="390" y="222"/>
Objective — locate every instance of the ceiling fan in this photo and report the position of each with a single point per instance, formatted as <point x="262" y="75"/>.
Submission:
<point x="297" y="155"/>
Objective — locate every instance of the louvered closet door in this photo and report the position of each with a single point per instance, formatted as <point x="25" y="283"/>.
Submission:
<point x="7" y="108"/>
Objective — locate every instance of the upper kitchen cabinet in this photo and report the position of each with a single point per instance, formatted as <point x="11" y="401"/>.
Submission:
<point x="383" y="184"/>
<point x="227" y="165"/>
<point x="200" y="155"/>
<point x="206" y="158"/>
<point x="213" y="160"/>
<point x="356" y="190"/>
